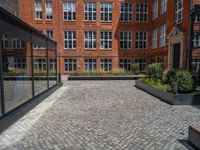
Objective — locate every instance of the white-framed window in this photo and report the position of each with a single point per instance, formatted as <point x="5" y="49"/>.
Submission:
<point x="163" y="6"/>
<point x="17" y="44"/>
<point x="90" y="64"/>
<point x="125" y="64"/>
<point x="155" y="38"/>
<point x="141" y="40"/>
<point x="49" y="10"/>
<point x="163" y="35"/>
<point x="126" y="40"/>
<point x="70" y="65"/>
<point x="40" y="64"/>
<point x="49" y="34"/>
<point x="52" y="64"/>
<point x="38" y="46"/>
<point x="90" y="39"/>
<point x="90" y="11"/>
<point x="197" y="18"/>
<point x="126" y="12"/>
<point x="69" y="39"/>
<point x="38" y="9"/>
<point x="142" y="63"/>
<point x="5" y="42"/>
<point x="196" y="6"/>
<point x="196" y="63"/>
<point x="69" y="11"/>
<point x="106" y="39"/>
<point x="106" y="12"/>
<point x="20" y="63"/>
<point x="179" y="11"/>
<point x="196" y="40"/>
<point x="141" y="12"/>
<point x="155" y="9"/>
<point x="106" y="64"/>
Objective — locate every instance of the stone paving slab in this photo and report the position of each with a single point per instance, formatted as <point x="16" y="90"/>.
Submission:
<point x="102" y="115"/>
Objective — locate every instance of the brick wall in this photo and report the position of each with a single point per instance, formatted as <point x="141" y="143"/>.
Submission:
<point x="59" y="26"/>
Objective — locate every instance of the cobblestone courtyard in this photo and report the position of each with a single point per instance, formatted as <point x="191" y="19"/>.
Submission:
<point x="110" y="115"/>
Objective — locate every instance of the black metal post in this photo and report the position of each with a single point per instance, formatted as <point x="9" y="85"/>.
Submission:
<point x="56" y="67"/>
<point x="47" y="57"/>
<point x="32" y="66"/>
<point x="1" y="77"/>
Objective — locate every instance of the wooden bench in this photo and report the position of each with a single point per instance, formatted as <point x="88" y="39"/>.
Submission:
<point x="194" y="136"/>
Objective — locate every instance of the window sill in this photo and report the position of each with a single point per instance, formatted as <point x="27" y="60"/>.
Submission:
<point x="106" y="22"/>
<point x="39" y="49"/>
<point x="162" y="46"/>
<point x="89" y="49"/>
<point x="142" y="21"/>
<point x="69" y="49"/>
<point x="163" y="14"/>
<point x="126" y="22"/>
<point x="90" y="21"/>
<point x="126" y="50"/>
<point x="69" y="20"/>
<point x="105" y="49"/>
<point x="38" y="21"/>
<point x="49" y="20"/>
<point x="144" y="49"/>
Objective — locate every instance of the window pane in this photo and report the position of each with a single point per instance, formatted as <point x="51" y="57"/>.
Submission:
<point x="17" y="73"/>
<point x="40" y="70"/>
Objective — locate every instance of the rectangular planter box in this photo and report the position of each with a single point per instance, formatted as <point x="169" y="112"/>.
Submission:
<point x="135" y="77"/>
<point x="194" y="136"/>
<point x="170" y="98"/>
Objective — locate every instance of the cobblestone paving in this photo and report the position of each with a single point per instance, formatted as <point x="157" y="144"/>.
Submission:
<point x="102" y="115"/>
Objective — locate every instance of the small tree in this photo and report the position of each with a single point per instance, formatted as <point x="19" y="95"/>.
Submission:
<point x="135" y="68"/>
<point x="183" y="78"/>
<point x="155" y="71"/>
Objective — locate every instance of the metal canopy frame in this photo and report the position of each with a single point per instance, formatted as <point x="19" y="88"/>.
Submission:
<point x="14" y="27"/>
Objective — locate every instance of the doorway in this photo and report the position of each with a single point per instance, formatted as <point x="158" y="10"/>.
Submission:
<point x="176" y="55"/>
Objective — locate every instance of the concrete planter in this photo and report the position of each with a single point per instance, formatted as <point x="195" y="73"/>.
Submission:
<point x="194" y="136"/>
<point x="170" y="98"/>
<point x="135" y="77"/>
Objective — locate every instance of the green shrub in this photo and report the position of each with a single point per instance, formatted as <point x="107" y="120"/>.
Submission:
<point x="40" y="73"/>
<point x="183" y="78"/>
<point x="155" y="71"/>
<point x="158" y="84"/>
<point x="16" y="72"/>
<point x="135" y="68"/>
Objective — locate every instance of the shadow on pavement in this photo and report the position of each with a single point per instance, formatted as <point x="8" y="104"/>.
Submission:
<point x="187" y="144"/>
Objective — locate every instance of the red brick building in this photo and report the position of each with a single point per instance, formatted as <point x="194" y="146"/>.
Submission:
<point x="106" y="35"/>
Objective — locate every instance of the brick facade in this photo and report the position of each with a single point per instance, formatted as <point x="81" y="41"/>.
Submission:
<point x="58" y="25"/>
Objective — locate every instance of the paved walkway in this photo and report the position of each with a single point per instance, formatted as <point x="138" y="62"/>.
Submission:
<point x="107" y="115"/>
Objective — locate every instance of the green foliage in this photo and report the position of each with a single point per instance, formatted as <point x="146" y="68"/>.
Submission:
<point x="184" y="79"/>
<point x="40" y="73"/>
<point x="158" y="84"/>
<point x="100" y="73"/>
<point x="195" y="76"/>
<point x="155" y="71"/>
<point x="135" y="68"/>
<point x="16" y="72"/>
